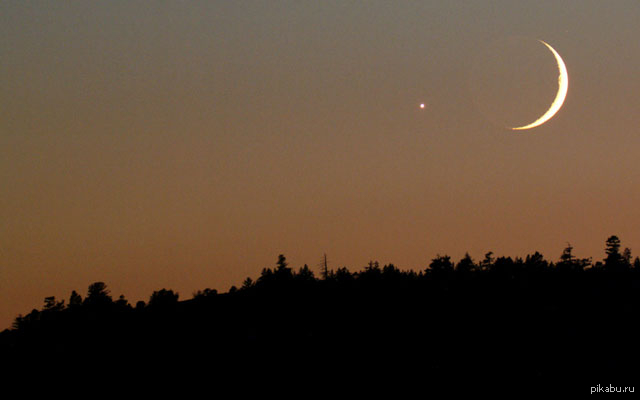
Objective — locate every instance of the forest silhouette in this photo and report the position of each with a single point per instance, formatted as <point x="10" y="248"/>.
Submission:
<point x="499" y="320"/>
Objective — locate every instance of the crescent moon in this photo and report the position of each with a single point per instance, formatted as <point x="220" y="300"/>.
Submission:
<point x="563" y="87"/>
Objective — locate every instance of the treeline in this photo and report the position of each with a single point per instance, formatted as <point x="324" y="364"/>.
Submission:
<point x="496" y="318"/>
<point x="441" y="268"/>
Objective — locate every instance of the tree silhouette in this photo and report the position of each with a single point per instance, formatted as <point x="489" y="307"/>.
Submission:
<point x="466" y="264"/>
<point x="75" y="300"/>
<point x="51" y="305"/>
<point x="372" y="272"/>
<point x="282" y="272"/>
<point x="97" y="295"/>
<point x="163" y="298"/>
<point x="487" y="263"/>
<point x="122" y="302"/>
<point x="342" y="275"/>
<point x="567" y="255"/>
<point x="441" y="265"/>
<point x="305" y="274"/>
<point x="390" y="272"/>
<point x="282" y="263"/>
<point x="536" y="262"/>
<point x="206" y="293"/>
<point x="614" y="260"/>
<point x="248" y="283"/>
<point x="626" y="257"/>
<point x="568" y="262"/>
<point x="504" y="266"/>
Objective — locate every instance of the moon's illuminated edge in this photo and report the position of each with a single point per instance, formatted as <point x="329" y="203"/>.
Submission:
<point x="563" y="87"/>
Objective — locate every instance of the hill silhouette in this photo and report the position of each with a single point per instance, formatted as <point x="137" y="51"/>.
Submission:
<point x="497" y="322"/>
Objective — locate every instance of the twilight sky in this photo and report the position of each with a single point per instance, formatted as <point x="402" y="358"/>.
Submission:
<point x="185" y="144"/>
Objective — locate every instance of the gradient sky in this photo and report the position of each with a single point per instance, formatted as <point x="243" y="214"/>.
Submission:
<point x="185" y="144"/>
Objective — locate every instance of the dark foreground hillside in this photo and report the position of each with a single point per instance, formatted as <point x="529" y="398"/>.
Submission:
<point x="501" y="323"/>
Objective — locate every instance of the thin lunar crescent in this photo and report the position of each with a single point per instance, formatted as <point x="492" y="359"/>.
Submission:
<point x="563" y="87"/>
